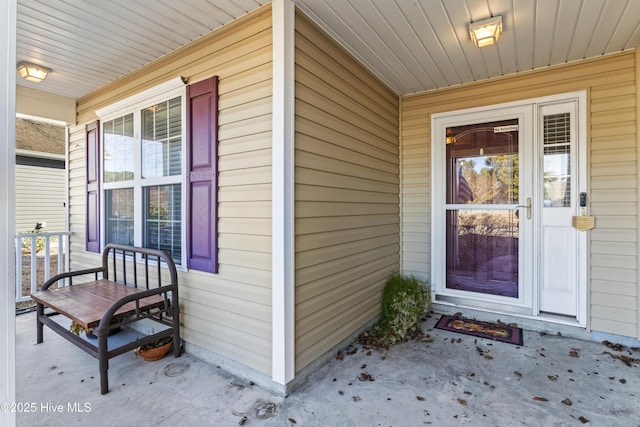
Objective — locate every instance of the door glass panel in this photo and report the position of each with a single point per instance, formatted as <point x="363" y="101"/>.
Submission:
<point x="482" y="252"/>
<point x="557" y="155"/>
<point x="482" y="242"/>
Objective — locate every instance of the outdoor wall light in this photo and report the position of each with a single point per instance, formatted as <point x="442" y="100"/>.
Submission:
<point x="486" y="32"/>
<point x="32" y="72"/>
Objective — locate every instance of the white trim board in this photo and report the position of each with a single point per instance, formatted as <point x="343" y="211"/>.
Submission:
<point x="8" y="9"/>
<point x="283" y="217"/>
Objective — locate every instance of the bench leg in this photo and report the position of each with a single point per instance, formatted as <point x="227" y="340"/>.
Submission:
<point x="177" y="344"/>
<point x="39" y="324"/>
<point x="103" y="362"/>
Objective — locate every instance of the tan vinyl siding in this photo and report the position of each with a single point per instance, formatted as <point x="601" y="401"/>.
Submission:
<point x="346" y="191"/>
<point x="610" y="83"/>
<point x="228" y="313"/>
<point x="40" y="197"/>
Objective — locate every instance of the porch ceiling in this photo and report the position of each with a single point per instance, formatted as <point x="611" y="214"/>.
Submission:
<point x="412" y="45"/>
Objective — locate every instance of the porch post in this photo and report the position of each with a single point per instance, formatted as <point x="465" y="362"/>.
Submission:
<point x="282" y="254"/>
<point x="7" y="203"/>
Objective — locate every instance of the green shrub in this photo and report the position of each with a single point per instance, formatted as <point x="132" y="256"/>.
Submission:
<point x="404" y="301"/>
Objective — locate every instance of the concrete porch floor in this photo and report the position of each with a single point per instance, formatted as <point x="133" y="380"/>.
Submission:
<point x="453" y="380"/>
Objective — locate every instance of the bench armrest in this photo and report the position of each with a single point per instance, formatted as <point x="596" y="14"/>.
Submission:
<point x="70" y="274"/>
<point x="173" y="309"/>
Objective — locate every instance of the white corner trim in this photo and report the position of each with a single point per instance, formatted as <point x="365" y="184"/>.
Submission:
<point x="8" y="9"/>
<point x="141" y="97"/>
<point x="637" y="53"/>
<point x="283" y="253"/>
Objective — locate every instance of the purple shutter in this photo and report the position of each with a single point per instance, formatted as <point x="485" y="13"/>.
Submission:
<point x="202" y="167"/>
<point x="92" y="231"/>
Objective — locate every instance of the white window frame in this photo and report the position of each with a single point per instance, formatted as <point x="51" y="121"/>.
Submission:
<point x="135" y="104"/>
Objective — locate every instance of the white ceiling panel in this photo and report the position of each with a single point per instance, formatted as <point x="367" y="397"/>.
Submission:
<point x="537" y="33"/>
<point x="412" y="45"/>
<point x="89" y="43"/>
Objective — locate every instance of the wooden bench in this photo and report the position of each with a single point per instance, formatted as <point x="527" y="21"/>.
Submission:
<point x="126" y="293"/>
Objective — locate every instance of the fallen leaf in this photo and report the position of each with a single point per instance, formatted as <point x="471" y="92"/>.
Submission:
<point x="341" y="393"/>
<point x="420" y="398"/>
<point x="292" y="421"/>
<point x="340" y="356"/>
<point x="462" y="402"/>
<point x="622" y="381"/>
<point x="574" y="353"/>
<point x="365" y="376"/>
<point x="629" y="361"/>
<point x="540" y="399"/>
<point x="486" y="356"/>
<point x="583" y="419"/>
<point x="552" y="377"/>
<point x="518" y="373"/>
<point x="567" y="402"/>
<point x="356" y="398"/>
<point x="352" y="352"/>
<point x="616" y="347"/>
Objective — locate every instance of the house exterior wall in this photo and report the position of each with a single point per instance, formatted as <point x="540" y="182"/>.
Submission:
<point x="228" y="313"/>
<point x="36" y="103"/>
<point x="40" y="197"/>
<point x="611" y="85"/>
<point x="346" y="193"/>
<point x="40" y="178"/>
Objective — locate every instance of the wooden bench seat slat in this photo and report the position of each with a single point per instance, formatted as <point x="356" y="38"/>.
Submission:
<point x="86" y="303"/>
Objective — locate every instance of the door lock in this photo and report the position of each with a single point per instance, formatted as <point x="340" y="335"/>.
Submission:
<point x="528" y="206"/>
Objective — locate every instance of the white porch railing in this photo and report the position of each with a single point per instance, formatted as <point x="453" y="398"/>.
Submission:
<point x="39" y="247"/>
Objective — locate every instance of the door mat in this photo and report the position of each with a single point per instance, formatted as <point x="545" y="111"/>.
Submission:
<point x="476" y="328"/>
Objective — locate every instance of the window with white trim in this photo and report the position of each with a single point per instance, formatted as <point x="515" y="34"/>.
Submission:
<point x="143" y="167"/>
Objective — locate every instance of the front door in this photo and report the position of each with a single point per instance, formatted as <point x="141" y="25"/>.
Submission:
<point x="505" y="191"/>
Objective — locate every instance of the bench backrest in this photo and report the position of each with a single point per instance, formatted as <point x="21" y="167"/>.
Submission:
<point x="138" y="267"/>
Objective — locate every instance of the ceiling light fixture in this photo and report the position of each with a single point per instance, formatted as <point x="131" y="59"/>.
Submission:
<point x="486" y="32"/>
<point x="32" y="72"/>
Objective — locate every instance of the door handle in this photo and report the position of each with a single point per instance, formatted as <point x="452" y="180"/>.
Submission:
<point x="528" y="206"/>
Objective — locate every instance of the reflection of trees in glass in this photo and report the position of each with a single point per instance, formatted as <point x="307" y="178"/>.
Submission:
<point x="487" y="244"/>
<point x="158" y="212"/>
<point x="506" y="169"/>
<point x="118" y="176"/>
<point x="495" y="183"/>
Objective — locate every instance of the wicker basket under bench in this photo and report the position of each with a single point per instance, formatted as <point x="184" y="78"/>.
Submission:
<point x="123" y="291"/>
